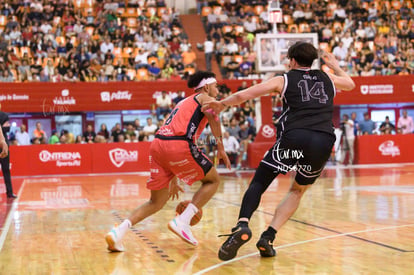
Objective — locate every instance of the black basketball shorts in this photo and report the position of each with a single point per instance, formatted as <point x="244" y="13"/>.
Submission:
<point x="301" y="150"/>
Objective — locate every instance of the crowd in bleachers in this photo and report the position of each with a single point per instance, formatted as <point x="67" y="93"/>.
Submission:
<point x="92" y="40"/>
<point x="104" y="40"/>
<point x="369" y="37"/>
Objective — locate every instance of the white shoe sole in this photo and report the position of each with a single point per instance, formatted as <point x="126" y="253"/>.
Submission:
<point x="111" y="244"/>
<point x="173" y="229"/>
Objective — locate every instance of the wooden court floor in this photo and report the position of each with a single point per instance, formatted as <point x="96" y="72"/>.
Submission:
<point x="354" y="220"/>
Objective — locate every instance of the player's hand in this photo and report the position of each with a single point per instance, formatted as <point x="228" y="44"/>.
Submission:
<point x="4" y="149"/>
<point x="213" y="106"/>
<point x="329" y="60"/>
<point x="175" y="189"/>
<point x="221" y="154"/>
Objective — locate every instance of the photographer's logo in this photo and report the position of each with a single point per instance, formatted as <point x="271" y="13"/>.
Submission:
<point x="387" y="148"/>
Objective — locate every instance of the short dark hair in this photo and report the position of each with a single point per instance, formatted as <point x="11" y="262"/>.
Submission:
<point x="196" y="78"/>
<point x="303" y="52"/>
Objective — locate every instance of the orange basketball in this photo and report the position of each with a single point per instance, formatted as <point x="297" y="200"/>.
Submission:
<point x="182" y="206"/>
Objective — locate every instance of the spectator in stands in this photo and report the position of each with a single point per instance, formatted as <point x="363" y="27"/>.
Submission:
<point x="54" y="138"/>
<point x="348" y="139"/>
<point x="367" y="126"/>
<point x="89" y="135"/>
<point x="103" y="131"/>
<point x="150" y="129"/>
<point x="405" y="123"/>
<point x="189" y="57"/>
<point x="387" y="127"/>
<point x="38" y="131"/>
<point x="22" y="136"/>
<point x="356" y="123"/>
<point x="6" y="76"/>
<point x="233" y="68"/>
<point x="163" y="105"/>
<point x="208" y="51"/>
<point x="231" y="147"/>
<point x="116" y="132"/>
<point x="154" y="71"/>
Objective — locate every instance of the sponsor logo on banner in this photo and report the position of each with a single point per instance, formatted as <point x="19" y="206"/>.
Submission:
<point x="268" y="131"/>
<point x="119" y="156"/>
<point x="64" y="99"/>
<point x="119" y="95"/>
<point x="387" y="148"/>
<point x="13" y="97"/>
<point x="377" y="89"/>
<point x="62" y="159"/>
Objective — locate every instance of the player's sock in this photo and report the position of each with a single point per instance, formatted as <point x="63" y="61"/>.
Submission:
<point x="270" y="233"/>
<point x="265" y="243"/>
<point x="242" y="224"/>
<point x="188" y="213"/>
<point x="123" y="228"/>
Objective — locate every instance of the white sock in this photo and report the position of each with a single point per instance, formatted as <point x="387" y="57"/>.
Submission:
<point x="188" y="213"/>
<point x="123" y="228"/>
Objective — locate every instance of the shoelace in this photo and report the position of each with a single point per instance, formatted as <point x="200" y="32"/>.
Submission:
<point x="230" y="234"/>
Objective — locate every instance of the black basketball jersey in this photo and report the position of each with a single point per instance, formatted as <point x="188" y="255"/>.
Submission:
<point x="307" y="101"/>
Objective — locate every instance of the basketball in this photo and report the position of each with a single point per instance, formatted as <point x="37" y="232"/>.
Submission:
<point x="182" y="206"/>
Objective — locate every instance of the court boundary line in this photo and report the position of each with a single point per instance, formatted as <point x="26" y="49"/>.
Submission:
<point x="8" y="222"/>
<point x="349" y="234"/>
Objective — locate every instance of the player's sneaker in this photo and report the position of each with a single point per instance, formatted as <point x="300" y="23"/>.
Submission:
<point x="265" y="247"/>
<point x="182" y="230"/>
<point x="239" y="236"/>
<point x="113" y="241"/>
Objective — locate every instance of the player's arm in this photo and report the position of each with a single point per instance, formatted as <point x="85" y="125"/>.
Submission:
<point x="340" y="78"/>
<point x="215" y="126"/>
<point x="274" y="84"/>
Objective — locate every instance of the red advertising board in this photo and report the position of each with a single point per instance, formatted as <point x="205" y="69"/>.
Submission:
<point x="79" y="158"/>
<point x="120" y="157"/>
<point x="384" y="149"/>
<point x="65" y="97"/>
<point x="51" y="159"/>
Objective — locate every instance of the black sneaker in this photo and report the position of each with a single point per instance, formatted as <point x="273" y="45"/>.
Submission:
<point x="265" y="247"/>
<point x="239" y="236"/>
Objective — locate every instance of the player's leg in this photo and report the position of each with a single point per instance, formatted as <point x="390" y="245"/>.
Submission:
<point x="282" y="214"/>
<point x="196" y="167"/>
<point x="5" y="167"/>
<point x="158" y="183"/>
<point x="241" y="233"/>
<point x="156" y="202"/>
<point x="316" y="150"/>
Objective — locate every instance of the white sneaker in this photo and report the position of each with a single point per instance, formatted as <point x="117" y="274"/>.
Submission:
<point x="114" y="244"/>
<point x="182" y="230"/>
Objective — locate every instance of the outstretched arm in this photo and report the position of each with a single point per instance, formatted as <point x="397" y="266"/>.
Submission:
<point x="274" y="84"/>
<point x="340" y="78"/>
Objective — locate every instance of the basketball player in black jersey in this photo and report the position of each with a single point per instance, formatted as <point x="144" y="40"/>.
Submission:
<point x="304" y="145"/>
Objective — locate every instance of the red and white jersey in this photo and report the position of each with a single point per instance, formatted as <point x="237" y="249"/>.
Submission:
<point x="186" y="121"/>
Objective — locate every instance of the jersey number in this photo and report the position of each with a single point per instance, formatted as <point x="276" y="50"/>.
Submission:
<point x="316" y="92"/>
<point x="168" y="121"/>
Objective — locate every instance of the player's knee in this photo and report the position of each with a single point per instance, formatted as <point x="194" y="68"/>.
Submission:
<point x="304" y="181"/>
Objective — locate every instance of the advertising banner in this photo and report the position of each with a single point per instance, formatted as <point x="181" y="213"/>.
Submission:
<point x="384" y="149"/>
<point x="66" y="97"/>
<point x="120" y="157"/>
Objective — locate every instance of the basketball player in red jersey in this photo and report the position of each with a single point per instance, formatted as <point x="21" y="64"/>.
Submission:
<point x="174" y="154"/>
